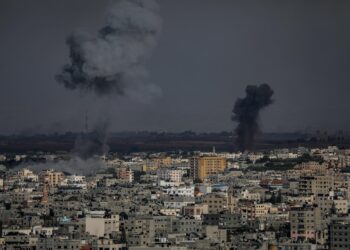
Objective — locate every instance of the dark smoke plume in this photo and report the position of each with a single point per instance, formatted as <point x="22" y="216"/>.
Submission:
<point x="93" y="143"/>
<point x="246" y="112"/>
<point x="112" y="61"/>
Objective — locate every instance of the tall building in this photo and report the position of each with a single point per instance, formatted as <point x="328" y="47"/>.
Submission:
<point x="51" y="177"/>
<point x="204" y="166"/>
<point x="339" y="234"/>
<point x="305" y="222"/>
<point x="45" y="198"/>
<point x="125" y="173"/>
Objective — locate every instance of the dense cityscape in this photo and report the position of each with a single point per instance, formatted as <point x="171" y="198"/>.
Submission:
<point x="280" y="199"/>
<point x="179" y="125"/>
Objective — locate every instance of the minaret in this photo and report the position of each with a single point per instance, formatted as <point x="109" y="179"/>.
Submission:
<point x="231" y="203"/>
<point x="45" y="198"/>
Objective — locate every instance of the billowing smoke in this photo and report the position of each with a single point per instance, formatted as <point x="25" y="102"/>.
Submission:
<point x="246" y="112"/>
<point x="112" y="61"/>
<point x="92" y="143"/>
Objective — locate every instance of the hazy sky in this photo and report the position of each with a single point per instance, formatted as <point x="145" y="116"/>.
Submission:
<point x="208" y="52"/>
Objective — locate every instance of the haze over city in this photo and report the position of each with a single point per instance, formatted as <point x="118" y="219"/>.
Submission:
<point x="174" y="125"/>
<point x="206" y="54"/>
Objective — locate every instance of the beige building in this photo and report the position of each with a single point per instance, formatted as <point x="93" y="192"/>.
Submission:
<point x="26" y="174"/>
<point x="262" y="209"/>
<point x="51" y="177"/>
<point x="320" y="184"/>
<point x="126" y="174"/>
<point x="216" y="203"/>
<point x="107" y="244"/>
<point x="300" y="199"/>
<point x="327" y="203"/>
<point x="214" y="233"/>
<point x="156" y="163"/>
<point x="172" y="175"/>
<point x="100" y="226"/>
<point x="196" y="210"/>
<point x="312" y="167"/>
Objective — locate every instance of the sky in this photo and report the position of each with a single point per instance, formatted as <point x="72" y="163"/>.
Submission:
<point x="208" y="52"/>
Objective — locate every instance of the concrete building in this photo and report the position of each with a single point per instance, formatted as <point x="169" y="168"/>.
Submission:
<point x="205" y="166"/>
<point x="156" y="163"/>
<point x="181" y="191"/>
<point x="195" y="210"/>
<point x="125" y="173"/>
<point x="262" y="209"/>
<point x="98" y="225"/>
<point x="51" y="177"/>
<point x="328" y="203"/>
<point x="56" y="243"/>
<point x="314" y="185"/>
<point x="172" y="175"/>
<point x="339" y="234"/>
<point x="216" y="203"/>
<point x="107" y="244"/>
<point x="305" y="221"/>
<point x="26" y="174"/>
<point x="140" y="231"/>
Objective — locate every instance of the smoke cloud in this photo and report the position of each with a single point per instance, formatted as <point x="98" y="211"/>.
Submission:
<point x="112" y="61"/>
<point x="93" y="143"/>
<point x="246" y="112"/>
<point x="75" y="165"/>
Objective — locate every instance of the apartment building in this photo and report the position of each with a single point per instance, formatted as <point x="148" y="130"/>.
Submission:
<point x="305" y="221"/>
<point x="140" y="230"/>
<point x="216" y="203"/>
<point x="99" y="225"/>
<point x="156" y="163"/>
<point x="125" y="173"/>
<point x="202" y="167"/>
<point x="262" y="209"/>
<point x="172" y="175"/>
<point x="339" y="234"/>
<point x="329" y="204"/>
<point x="195" y="210"/>
<point x="51" y="177"/>
<point x="181" y="191"/>
<point x="321" y="184"/>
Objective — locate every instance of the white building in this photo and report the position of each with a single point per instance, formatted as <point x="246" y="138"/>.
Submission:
<point x="181" y="191"/>
<point x="74" y="181"/>
<point x="173" y="175"/>
<point x="101" y="226"/>
<point x="26" y="174"/>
